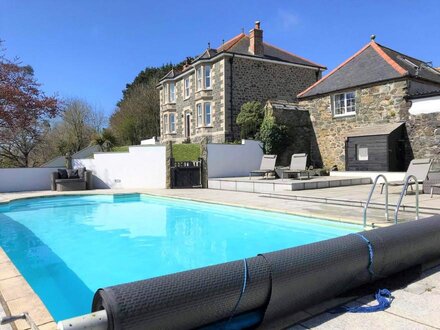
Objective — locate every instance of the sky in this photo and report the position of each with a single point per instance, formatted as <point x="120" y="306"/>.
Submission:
<point x="92" y="48"/>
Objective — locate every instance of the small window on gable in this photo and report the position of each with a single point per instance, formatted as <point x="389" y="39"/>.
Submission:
<point x="344" y="104"/>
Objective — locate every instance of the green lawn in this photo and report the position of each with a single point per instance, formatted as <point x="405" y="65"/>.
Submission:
<point x="120" y="149"/>
<point x="182" y="152"/>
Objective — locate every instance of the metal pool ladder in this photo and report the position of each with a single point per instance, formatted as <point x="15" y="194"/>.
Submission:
<point x="403" y="193"/>
<point x="371" y="195"/>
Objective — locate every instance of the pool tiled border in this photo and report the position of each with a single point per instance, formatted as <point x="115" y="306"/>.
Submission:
<point x="17" y="296"/>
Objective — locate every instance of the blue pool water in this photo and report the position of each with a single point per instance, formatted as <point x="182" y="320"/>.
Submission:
<point x="68" y="247"/>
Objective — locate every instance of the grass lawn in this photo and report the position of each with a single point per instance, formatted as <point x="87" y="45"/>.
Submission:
<point x="120" y="149"/>
<point x="188" y="151"/>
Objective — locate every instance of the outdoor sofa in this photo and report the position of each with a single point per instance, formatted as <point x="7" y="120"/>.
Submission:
<point x="267" y="166"/>
<point x="418" y="168"/>
<point x="71" y="179"/>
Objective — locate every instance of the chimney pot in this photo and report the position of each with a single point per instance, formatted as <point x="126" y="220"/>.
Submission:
<point x="257" y="25"/>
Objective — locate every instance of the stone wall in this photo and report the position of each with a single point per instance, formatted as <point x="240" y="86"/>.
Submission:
<point x="374" y="105"/>
<point x="254" y="80"/>
<point x="424" y="136"/>
<point x="300" y="133"/>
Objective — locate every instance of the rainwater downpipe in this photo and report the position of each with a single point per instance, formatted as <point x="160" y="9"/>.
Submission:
<point x="231" y="89"/>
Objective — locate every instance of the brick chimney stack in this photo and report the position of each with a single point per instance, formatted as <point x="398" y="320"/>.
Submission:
<point x="256" y="40"/>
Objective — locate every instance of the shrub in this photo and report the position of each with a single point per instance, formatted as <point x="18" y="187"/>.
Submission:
<point x="249" y="119"/>
<point x="273" y="135"/>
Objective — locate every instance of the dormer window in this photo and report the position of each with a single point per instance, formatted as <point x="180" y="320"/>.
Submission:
<point x="344" y="104"/>
<point x="207" y="76"/>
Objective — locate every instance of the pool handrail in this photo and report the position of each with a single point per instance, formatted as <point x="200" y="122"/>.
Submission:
<point x="371" y="195"/>
<point x="403" y="193"/>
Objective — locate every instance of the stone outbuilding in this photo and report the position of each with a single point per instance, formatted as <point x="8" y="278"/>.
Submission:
<point x="361" y="115"/>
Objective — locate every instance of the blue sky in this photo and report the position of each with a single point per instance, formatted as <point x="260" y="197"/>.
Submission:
<point x="92" y="48"/>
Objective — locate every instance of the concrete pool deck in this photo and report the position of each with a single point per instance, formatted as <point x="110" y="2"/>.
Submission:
<point x="417" y="306"/>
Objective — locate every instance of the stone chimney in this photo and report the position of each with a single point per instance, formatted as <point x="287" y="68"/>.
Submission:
<point x="256" y="40"/>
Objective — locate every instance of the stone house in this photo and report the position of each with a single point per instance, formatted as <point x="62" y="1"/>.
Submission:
<point x="205" y="97"/>
<point x="361" y="112"/>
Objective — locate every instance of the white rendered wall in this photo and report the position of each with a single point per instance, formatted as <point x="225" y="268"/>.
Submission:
<point x="141" y="167"/>
<point x="25" y="179"/>
<point x="230" y="160"/>
<point x="391" y="176"/>
<point x="149" y="141"/>
<point x="425" y="105"/>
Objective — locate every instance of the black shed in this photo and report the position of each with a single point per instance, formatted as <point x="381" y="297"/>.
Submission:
<point x="376" y="148"/>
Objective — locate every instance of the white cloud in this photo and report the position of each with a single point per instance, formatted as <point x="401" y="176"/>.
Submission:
<point x="287" y="19"/>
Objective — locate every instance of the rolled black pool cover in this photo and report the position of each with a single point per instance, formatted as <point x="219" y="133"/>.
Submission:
<point x="274" y="285"/>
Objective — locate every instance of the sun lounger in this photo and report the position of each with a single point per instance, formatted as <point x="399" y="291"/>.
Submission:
<point x="267" y="166"/>
<point x="418" y="168"/>
<point x="298" y="165"/>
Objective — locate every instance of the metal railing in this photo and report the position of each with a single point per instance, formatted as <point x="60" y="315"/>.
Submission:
<point x="403" y="193"/>
<point x="371" y="195"/>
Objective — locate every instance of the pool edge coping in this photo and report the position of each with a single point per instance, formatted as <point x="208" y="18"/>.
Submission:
<point x="24" y="296"/>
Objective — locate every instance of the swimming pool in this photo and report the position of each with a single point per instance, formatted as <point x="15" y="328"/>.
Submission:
<point x="68" y="247"/>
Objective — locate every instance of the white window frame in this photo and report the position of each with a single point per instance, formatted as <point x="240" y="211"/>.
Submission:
<point x="199" y="114"/>
<point x="172" y="123"/>
<point x="199" y="78"/>
<point x="205" y="116"/>
<point x="361" y="153"/>
<point x="345" y="106"/>
<point x="207" y="77"/>
<point x="186" y="88"/>
<point x="165" y="123"/>
<point x="172" y="94"/>
<point x="165" y="93"/>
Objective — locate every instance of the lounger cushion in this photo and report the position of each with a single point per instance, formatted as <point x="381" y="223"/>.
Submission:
<point x="72" y="174"/>
<point x="81" y="172"/>
<point x="62" y="174"/>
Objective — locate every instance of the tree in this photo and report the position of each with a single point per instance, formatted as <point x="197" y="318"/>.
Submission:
<point x="105" y="140"/>
<point x="25" y="112"/>
<point x="249" y="119"/>
<point x="79" y="124"/>
<point x="138" y="115"/>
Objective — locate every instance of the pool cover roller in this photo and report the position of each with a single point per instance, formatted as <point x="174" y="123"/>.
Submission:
<point x="277" y="285"/>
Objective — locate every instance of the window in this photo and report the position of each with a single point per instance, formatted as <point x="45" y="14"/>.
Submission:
<point x="207" y="76"/>
<point x="172" y="92"/>
<point x="165" y="93"/>
<point x="207" y="114"/>
<point x="172" y="123"/>
<point x="361" y="152"/>
<point x="344" y="104"/>
<point x="199" y="114"/>
<point x="186" y="87"/>
<point x="199" y="78"/>
<point x="165" y="123"/>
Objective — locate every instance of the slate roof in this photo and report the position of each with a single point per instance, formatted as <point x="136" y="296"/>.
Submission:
<point x="284" y="105"/>
<point x="378" y="129"/>
<point x="373" y="63"/>
<point x="240" y="45"/>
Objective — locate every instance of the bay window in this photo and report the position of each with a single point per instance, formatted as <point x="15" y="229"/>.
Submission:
<point x="186" y="87"/>
<point x="207" y="113"/>
<point x="172" y="92"/>
<point x="207" y="76"/>
<point x="199" y="114"/>
<point x="165" y="123"/>
<point x="172" y="123"/>
<point x="199" y="78"/>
